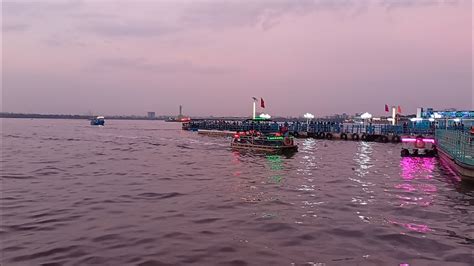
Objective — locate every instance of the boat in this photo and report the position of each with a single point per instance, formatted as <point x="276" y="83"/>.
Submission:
<point x="456" y="150"/>
<point x="418" y="146"/>
<point x="98" y="121"/>
<point x="256" y="141"/>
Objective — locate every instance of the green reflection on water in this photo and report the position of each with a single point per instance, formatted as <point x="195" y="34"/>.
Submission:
<point x="276" y="165"/>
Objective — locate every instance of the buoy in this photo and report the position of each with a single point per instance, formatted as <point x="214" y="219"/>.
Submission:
<point x="287" y="141"/>
<point x="396" y="139"/>
<point x="355" y="136"/>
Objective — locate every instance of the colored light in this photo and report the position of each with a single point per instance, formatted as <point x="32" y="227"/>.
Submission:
<point x="414" y="140"/>
<point x="275" y="138"/>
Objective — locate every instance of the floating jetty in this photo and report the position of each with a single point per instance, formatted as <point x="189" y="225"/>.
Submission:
<point x="217" y="133"/>
<point x="318" y="130"/>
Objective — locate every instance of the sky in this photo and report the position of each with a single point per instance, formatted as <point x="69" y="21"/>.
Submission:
<point x="319" y="56"/>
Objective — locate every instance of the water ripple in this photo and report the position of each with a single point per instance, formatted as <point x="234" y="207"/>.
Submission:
<point x="147" y="193"/>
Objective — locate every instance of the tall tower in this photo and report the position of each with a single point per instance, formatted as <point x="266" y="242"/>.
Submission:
<point x="180" y="111"/>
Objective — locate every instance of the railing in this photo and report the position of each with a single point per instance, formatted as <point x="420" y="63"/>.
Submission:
<point x="316" y="127"/>
<point x="458" y="144"/>
<point x="360" y="128"/>
<point x="234" y="126"/>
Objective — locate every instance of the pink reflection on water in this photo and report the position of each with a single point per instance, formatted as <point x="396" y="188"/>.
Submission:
<point x="417" y="167"/>
<point x="420" y="228"/>
<point x="421" y="193"/>
<point x="427" y="188"/>
<point x="416" y="190"/>
<point x="236" y="157"/>
<point x="407" y="187"/>
<point x="236" y="160"/>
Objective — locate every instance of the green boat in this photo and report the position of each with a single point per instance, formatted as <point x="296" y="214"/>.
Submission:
<point x="272" y="143"/>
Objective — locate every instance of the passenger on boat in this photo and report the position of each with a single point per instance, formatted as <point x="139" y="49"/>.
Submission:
<point x="284" y="130"/>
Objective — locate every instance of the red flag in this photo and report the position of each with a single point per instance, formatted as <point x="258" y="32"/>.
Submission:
<point x="399" y="110"/>
<point x="262" y="103"/>
<point x="386" y="108"/>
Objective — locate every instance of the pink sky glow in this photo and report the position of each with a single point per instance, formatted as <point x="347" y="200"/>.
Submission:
<point x="318" y="56"/>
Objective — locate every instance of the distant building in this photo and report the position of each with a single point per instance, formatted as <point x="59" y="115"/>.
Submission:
<point x="151" y="115"/>
<point x="446" y="113"/>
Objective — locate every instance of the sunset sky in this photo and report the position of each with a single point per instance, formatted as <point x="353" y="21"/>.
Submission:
<point x="320" y="56"/>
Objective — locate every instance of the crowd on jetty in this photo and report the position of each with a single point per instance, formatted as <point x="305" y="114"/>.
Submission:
<point x="313" y="127"/>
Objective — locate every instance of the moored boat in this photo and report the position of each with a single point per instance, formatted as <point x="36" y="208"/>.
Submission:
<point x="456" y="150"/>
<point x="98" y="121"/>
<point x="418" y="147"/>
<point x="255" y="141"/>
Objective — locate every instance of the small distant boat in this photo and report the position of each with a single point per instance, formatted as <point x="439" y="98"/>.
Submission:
<point x="418" y="147"/>
<point x="255" y="141"/>
<point x="98" y="121"/>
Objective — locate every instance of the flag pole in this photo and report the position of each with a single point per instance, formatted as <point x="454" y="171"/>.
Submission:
<point x="254" y="110"/>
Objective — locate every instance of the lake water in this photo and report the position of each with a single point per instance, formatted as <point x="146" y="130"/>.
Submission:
<point x="148" y="193"/>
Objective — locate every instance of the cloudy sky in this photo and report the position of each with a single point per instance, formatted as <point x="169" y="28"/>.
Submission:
<point x="319" y="56"/>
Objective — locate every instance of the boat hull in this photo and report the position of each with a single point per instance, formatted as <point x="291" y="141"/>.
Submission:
<point x="263" y="148"/>
<point x="216" y="133"/>
<point x="97" y="123"/>
<point x="466" y="172"/>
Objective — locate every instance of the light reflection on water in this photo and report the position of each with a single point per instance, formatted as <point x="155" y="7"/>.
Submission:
<point x="417" y="168"/>
<point x="364" y="162"/>
<point x="276" y="167"/>
<point x="132" y="192"/>
<point x="416" y="174"/>
<point x="308" y="166"/>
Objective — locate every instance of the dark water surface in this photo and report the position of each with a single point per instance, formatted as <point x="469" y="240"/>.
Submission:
<point x="147" y="193"/>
